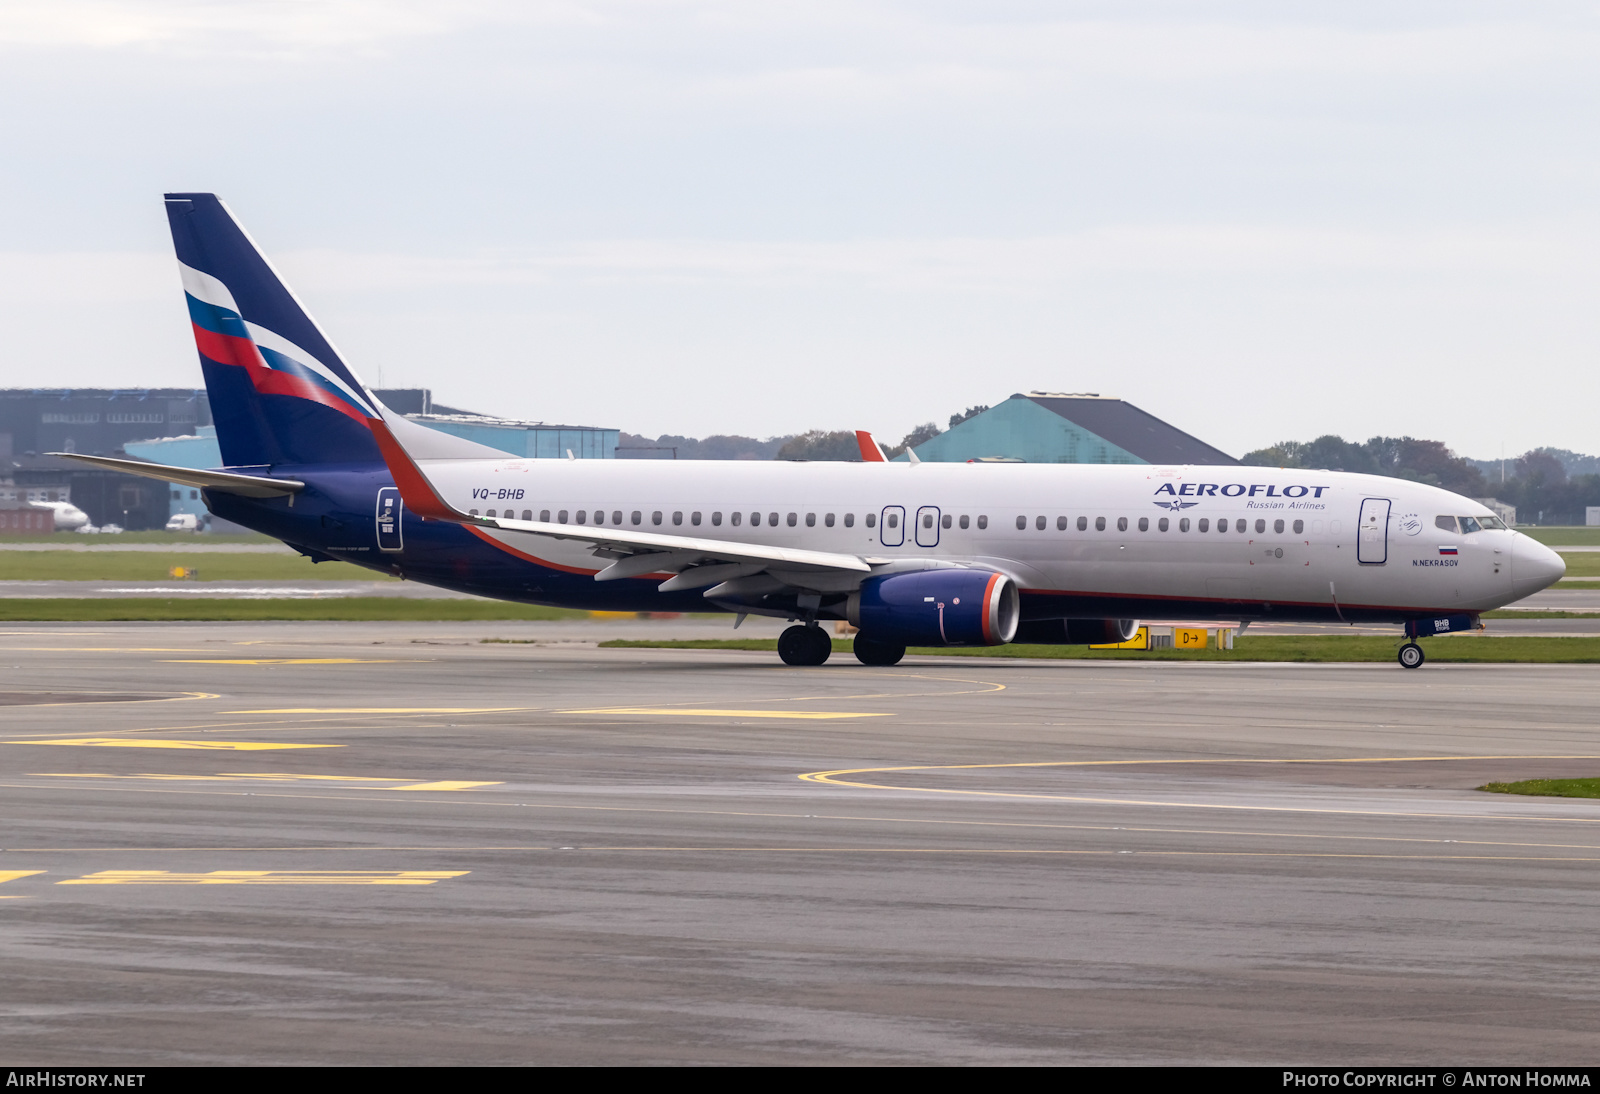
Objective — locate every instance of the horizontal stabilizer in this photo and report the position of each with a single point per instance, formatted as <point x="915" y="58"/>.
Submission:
<point x="225" y="482"/>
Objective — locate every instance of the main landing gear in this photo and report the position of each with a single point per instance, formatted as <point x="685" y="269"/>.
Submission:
<point x="1411" y="656"/>
<point x="803" y="645"/>
<point x="870" y="652"/>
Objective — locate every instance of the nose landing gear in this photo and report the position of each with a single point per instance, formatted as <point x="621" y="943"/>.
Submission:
<point x="803" y="645"/>
<point x="1411" y="656"/>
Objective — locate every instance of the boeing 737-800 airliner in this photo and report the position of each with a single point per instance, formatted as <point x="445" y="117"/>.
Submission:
<point x="914" y="554"/>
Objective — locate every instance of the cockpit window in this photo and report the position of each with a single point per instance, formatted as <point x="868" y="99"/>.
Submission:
<point x="1447" y="524"/>
<point x="1490" y="523"/>
<point x="1470" y="524"/>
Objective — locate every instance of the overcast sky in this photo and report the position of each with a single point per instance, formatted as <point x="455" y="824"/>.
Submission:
<point x="1258" y="221"/>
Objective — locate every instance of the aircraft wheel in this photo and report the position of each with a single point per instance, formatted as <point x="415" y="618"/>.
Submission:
<point x="1411" y="656"/>
<point x="869" y="652"/>
<point x="801" y="645"/>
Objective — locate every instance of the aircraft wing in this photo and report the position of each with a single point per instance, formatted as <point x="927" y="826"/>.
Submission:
<point x="226" y="482"/>
<point x="637" y="553"/>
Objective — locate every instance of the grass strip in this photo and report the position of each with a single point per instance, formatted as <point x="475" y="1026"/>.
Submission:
<point x="1581" y="563"/>
<point x="1298" y="648"/>
<point x="353" y="608"/>
<point x="177" y="539"/>
<point x="1510" y="613"/>
<point x="1548" y="788"/>
<point x="1558" y="536"/>
<point x="157" y="566"/>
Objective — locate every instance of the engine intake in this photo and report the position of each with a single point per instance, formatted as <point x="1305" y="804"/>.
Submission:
<point x="937" y="608"/>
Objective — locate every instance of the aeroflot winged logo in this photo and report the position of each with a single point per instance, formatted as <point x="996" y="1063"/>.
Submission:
<point x="276" y="366"/>
<point x="1237" y="490"/>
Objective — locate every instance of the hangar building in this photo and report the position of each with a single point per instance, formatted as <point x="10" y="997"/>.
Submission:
<point x="1055" y="427"/>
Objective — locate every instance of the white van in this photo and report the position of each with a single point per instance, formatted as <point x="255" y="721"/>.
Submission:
<point x="183" y="522"/>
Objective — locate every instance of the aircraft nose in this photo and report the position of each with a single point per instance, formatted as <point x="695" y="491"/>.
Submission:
<point x="1533" y="566"/>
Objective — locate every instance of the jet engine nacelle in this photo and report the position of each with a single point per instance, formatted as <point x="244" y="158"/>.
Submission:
<point x="1077" y="632"/>
<point x="937" y="608"/>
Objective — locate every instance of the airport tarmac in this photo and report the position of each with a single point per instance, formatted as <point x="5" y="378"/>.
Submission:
<point x="350" y="843"/>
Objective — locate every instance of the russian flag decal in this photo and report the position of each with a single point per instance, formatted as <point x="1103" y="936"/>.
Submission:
<point x="1447" y="550"/>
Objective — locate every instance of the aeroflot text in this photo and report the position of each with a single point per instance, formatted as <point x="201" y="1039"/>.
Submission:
<point x="1238" y="489"/>
<point x="1404" y="1079"/>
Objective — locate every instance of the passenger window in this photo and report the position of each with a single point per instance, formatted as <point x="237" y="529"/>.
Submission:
<point x="583" y="516"/>
<point x="1122" y="524"/>
<point x="1183" y="524"/>
<point x="755" y="520"/>
<point x="1083" y="524"/>
<point x="1099" y="524"/>
<point x="927" y="520"/>
<point x="965" y="521"/>
<point x="1240" y="525"/>
<point x="946" y="520"/>
<point x="811" y="520"/>
<point x="694" y="519"/>
<point x="655" y="518"/>
<point x="772" y="519"/>
<point x="793" y="520"/>
<point x="1161" y="525"/>
<point x="1061" y="524"/>
<point x="872" y="520"/>
<point x="562" y="516"/>
<point x="544" y="516"/>
<point x="1277" y="526"/>
<point x="1299" y="526"/>
<point x="828" y="520"/>
<point x="983" y="522"/>
<point x="736" y="518"/>
<point x="1204" y="525"/>
<point x="677" y="518"/>
<point x="1038" y="522"/>
<point x="894" y="520"/>
<point x="716" y="520"/>
<point x="616" y="517"/>
<point x="1144" y="524"/>
<point x="490" y="513"/>
<point x="1261" y="526"/>
<point x="849" y="520"/>
<point x="1022" y="522"/>
<point x="472" y="512"/>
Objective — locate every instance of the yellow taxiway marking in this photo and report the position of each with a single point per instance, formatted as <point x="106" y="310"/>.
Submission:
<point x="830" y="778"/>
<point x="13" y="875"/>
<point x="294" y="661"/>
<point x="147" y="742"/>
<point x="690" y="713"/>
<point x="266" y="877"/>
<point x="101" y="649"/>
<point x="381" y="710"/>
<point x="391" y="782"/>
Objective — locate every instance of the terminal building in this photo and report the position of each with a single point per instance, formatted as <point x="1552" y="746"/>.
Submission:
<point x="1057" y="427"/>
<point x="174" y="426"/>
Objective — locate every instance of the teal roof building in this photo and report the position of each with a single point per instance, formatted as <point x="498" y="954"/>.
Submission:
<point x="1052" y="427"/>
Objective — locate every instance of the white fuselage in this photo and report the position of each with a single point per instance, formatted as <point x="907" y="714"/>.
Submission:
<point x="1141" y="533"/>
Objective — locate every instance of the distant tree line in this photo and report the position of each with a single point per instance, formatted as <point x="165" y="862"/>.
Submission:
<point x="1540" y="483"/>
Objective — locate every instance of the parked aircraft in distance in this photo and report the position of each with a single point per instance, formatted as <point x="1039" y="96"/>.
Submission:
<point x="915" y="554"/>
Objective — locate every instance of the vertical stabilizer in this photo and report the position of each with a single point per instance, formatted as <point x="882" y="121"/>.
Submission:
<point x="280" y="393"/>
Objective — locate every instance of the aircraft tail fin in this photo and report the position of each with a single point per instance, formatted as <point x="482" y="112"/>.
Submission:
<point x="280" y="392"/>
